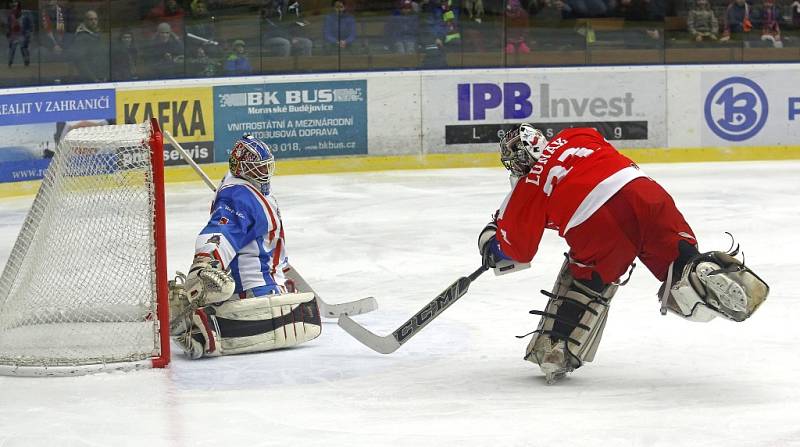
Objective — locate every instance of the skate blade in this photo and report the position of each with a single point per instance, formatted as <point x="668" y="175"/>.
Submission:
<point x="553" y="373"/>
<point x="553" y="378"/>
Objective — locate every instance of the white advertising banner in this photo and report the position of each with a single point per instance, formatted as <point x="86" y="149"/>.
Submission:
<point x="756" y="105"/>
<point x="468" y="111"/>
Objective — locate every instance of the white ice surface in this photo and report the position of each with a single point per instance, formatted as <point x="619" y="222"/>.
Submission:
<point x="405" y="236"/>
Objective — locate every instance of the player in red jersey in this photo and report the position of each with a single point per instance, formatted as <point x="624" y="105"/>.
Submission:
<point x="610" y="213"/>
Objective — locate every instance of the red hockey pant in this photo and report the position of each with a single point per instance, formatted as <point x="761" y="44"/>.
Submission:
<point x="640" y="220"/>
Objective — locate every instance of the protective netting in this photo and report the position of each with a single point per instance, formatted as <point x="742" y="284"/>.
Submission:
<point x="79" y="287"/>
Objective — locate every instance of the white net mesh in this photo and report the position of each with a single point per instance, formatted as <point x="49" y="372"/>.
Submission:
<point x="80" y="285"/>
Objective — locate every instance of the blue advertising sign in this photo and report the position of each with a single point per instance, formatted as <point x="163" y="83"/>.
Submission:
<point x="22" y="170"/>
<point x="29" y="108"/>
<point x="302" y="119"/>
<point x="32" y="125"/>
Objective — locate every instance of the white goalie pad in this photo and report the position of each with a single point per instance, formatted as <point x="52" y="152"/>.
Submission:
<point x="571" y="326"/>
<point x="265" y="323"/>
<point x="249" y="325"/>
<point x="714" y="284"/>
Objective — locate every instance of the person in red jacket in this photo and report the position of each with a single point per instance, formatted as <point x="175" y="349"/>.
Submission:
<point x="609" y="212"/>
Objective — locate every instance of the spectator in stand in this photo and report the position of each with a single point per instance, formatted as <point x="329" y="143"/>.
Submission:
<point x="124" y="57"/>
<point x="517" y="23"/>
<point x="796" y="13"/>
<point x="166" y="53"/>
<point x="55" y="20"/>
<point x="737" y="19"/>
<point x="445" y="24"/>
<point x="549" y="32"/>
<point x="650" y="15"/>
<point x="284" y="29"/>
<point x="549" y="10"/>
<point x="579" y="9"/>
<point x="168" y="11"/>
<point x="237" y="63"/>
<point x="19" y="27"/>
<point x="90" y="50"/>
<point x="402" y="28"/>
<point x="201" y="31"/>
<point x="701" y="22"/>
<point x="339" y="31"/>
<point x="200" y="64"/>
<point x="442" y="33"/>
<point x="770" y="23"/>
<point x="474" y="9"/>
<point x="54" y="28"/>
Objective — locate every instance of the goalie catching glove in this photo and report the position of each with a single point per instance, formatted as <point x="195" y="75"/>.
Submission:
<point x="207" y="282"/>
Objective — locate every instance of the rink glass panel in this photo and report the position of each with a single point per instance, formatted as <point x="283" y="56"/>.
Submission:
<point x="141" y="40"/>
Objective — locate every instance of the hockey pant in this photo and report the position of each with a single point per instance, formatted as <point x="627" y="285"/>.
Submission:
<point x="640" y="220"/>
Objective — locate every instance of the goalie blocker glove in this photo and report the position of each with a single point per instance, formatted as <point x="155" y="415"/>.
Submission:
<point x="492" y="256"/>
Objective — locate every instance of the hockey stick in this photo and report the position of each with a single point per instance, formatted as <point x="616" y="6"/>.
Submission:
<point x="357" y="307"/>
<point x="390" y="343"/>
<point x="189" y="160"/>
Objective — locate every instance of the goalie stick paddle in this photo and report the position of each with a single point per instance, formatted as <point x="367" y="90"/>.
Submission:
<point x="357" y="307"/>
<point x="390" y="343"/>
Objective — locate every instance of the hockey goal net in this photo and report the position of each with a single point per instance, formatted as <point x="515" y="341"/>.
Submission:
<point x="85" y="286"/>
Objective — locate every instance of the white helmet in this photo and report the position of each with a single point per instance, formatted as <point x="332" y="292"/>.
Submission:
<point x="520" y="148"/>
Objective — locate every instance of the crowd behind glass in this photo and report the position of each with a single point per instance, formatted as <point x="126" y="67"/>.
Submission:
<point x="70" y="41"/>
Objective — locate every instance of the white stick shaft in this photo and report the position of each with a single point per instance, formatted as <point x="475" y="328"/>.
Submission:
<point x="189" y="160"/>
<point x="202" y="39"/>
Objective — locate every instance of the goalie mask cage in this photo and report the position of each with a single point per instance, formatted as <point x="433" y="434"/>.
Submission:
<point x="85" y="286"/>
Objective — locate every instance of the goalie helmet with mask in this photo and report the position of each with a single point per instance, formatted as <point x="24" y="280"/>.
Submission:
<point x="251" y="159"/>
<point x="520" y="148"/>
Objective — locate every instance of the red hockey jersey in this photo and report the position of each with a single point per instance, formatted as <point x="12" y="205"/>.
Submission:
<point x="576" y="174"/>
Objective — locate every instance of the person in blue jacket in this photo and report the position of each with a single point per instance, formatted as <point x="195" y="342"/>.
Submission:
<point x="339" y="31"/>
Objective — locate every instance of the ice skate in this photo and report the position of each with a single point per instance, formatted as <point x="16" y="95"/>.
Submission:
<point x="554" y="366"/>
<point x="549" y="355"/>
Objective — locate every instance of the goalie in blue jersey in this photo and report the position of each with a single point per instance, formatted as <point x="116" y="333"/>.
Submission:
<point x="236" y="298"/>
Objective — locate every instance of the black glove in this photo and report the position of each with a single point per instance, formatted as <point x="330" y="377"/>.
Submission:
<point x="487" y="241"/>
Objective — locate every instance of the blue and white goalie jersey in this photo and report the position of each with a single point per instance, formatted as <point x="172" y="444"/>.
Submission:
<point x="245" y="233"/>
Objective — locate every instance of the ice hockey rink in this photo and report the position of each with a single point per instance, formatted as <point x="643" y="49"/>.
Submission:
<point x="403" y="236"/>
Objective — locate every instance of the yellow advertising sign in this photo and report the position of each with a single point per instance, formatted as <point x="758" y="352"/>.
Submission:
<point x="187" y="113"/>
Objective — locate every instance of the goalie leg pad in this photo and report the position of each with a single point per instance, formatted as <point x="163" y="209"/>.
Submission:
<point x="714" y="284"/>
<point x="571" y="326"/>
<point x="266" y="323"/>
<point x="200" y="339"/>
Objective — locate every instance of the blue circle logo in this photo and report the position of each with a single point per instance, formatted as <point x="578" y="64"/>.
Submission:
<point x="736" y="109"/>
